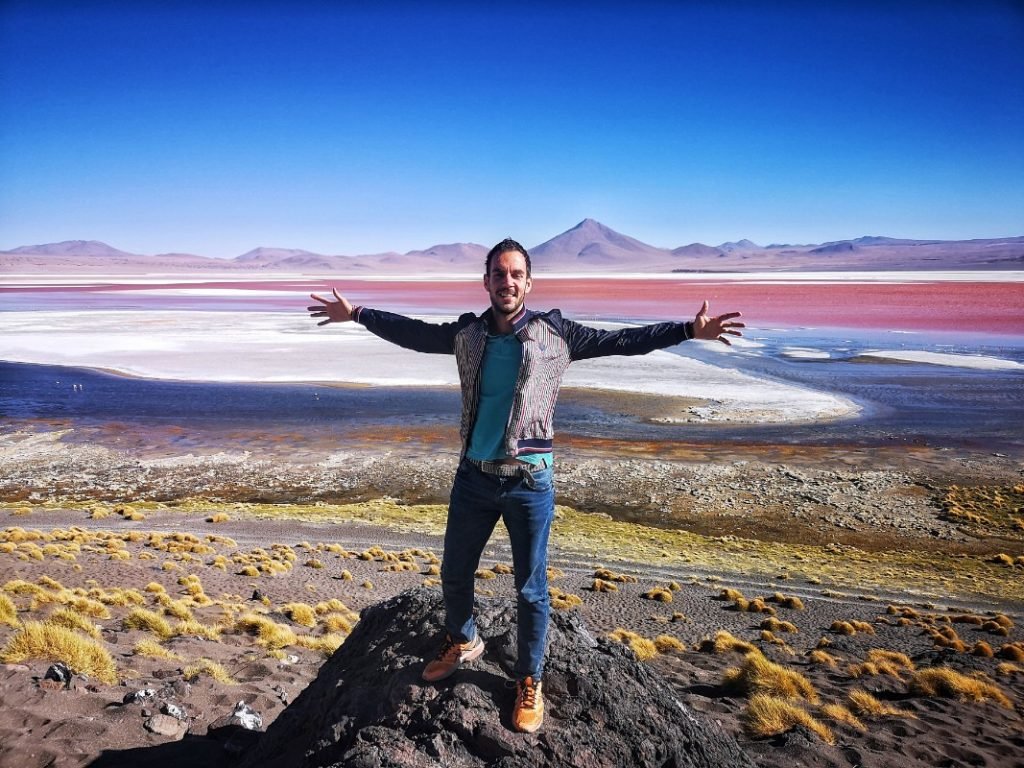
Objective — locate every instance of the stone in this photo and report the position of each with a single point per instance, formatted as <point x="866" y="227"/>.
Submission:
<point x="173" y="710"/>
<point x="165" y="725"/>
<point x="368" y="707"/>
<point x="59" y="672"/>
<point x="143" y="694"/>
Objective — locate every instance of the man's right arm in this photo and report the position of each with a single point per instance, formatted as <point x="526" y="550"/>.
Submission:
<point x="420" y="336"/>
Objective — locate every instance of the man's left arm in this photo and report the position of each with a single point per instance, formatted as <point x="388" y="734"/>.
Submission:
<point x="585" y="342"/>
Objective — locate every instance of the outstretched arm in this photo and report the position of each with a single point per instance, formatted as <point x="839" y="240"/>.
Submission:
<point x="339" y="311"/>
<point x="716" y="328"/>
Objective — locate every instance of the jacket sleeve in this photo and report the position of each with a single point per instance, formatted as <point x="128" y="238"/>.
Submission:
<point x="417" y="335"/>
<point x="586" y="342"/>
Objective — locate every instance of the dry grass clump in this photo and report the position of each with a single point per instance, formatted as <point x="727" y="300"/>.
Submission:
<point x="658" y="594"/>
<point x="882" y="662"/>
<point x="731" y="595"/>
<point x="563" y="601"/>
<point x="668" y="644"/>
<point x="982" y="649"/>
<point x="207" y="668"/>
<point x="502" y="568"/>
<point x="150" y="621"/>
<point x="268" y="632"/>
<point x="842" y="714"/>
<point x="300" y="613"/>
<point x="950" y="684"/>
<point x="325" y="644"/>
<point x="600" y="585"/>
<point x="485" y="574"/>
<point x="219" y="517"/>
<point x="825" y="658"/>
<point x="757" y="605"/>
<point x="153" y="649"/>
<point x="608" y="575"/>
<point x="774" y="625"/>
<point x="50" y="642"/>
<point x="770" y="715"/>
<point x="8" y="611"/>
<point x="724" y="642"/>
<point x="864" y="704"/>
<point x="65" y="617"/>
<point x="985" y="511"/>
<point x="1012" y="652"/>
<point x="948" y="638"/>
<point x="1008" y="668"/>
<point x="643" y="648"/>
<point x="195" y="628"/>
<point x="843" y="628"/>
<point x="787" y="601"/>
<point x="250" y="570"/>
<point x="759" y="675"/>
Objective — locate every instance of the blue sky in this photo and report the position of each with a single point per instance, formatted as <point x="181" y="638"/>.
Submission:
<point x="215" y="128"/>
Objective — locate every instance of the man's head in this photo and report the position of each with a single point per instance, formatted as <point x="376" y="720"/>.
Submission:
<point x="507" y="278"/>
<point x="508" y="244"/>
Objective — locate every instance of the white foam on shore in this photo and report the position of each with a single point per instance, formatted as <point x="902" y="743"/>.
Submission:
<point x="277" y="347"/>
<point x="980" y="362"/>
<point x="805" y="353"/>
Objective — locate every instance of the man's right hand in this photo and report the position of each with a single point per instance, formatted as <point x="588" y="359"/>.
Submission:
<point x="339" y="311"/>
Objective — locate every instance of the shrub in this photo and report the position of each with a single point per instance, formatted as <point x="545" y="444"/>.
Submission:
<point x="197" y="629"/>
<point x="300" y="613"/>
<point x="725" y="642"/>
<point x="85" y="656"/>
<point x="219" y="517"/>
<point x="600" y="585"/>
<point x="563" y="601"/>
<point x="8" y="611"/>
<point x="209" y="669"/>
<point x="608" y="575"/>
<point x="759" y="675"/>
<point x="842" y="714"/>
<point x="947" y="683"/>
<point x="770" y="715"/>
<point x="659" y="594"/>
<point x="269" y="633"/>
<point x="1012" y="652"/>
<point x="140" y="618"/>
<point x="865" y="705"/>
<point x="667" y="643"/>
<point x="822" y="657"/>
<point x="65" y="617"/>
<point x="774" y="625"/>
<point x="153" y="649"/>
<point x="787" y="601"/>
<point x="643" y="648"/>
<point x="326" y="644"/>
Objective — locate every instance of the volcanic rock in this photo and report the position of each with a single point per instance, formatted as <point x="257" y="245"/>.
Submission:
<point x="368" y="707"/>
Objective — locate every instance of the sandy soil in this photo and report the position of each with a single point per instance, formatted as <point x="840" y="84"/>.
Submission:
<point x="869" y="539"/>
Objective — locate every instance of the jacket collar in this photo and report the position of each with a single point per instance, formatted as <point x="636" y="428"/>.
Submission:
<point x="519" y="322"/>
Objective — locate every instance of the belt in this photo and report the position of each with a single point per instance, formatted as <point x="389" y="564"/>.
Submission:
<point x="501" y="469"/>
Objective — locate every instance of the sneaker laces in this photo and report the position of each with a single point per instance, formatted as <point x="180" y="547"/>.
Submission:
<point x="527" y="692"/>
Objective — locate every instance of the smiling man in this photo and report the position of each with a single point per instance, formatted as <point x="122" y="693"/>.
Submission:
<point x="510" y="362"/>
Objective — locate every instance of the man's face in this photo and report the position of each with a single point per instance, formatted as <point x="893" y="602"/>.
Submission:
<point x="508" y="283"/>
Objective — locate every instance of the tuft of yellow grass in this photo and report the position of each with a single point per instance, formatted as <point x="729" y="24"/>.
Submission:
<point x="153" y="649"/>
<point x="208" y="668"/>
<point x="822" y="657"/>
<point x="600" y="585"/>
<point x="864" y="704"/>
<point x="667" y="644"/>
<point x="269" y="633"/>
<point x="8" y="611"/>
<point x="300" y="613"/>
<point x="724" y="642"/>
<point x="842" y="714"/>
<point x="39" y="640"/>
<point x="643" y="648"/>
<point x="195" y="628"/>
<point x="326" y="644"/>
<point x="774" y="625"/>
<point x="65" y="617"/>
<point x="150" y="621"/>
<point x="563" y="601"/>
<point x="787" y="601"/>
<point x="606" y="574"/>
<point x="219" y="517"/>
<point x="759" y="675"/>
<point x="770" y="715"/>
<point x="658" y="594"/>
<point x="950" y="684"/>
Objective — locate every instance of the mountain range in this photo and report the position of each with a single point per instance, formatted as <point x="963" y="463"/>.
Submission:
<point x="587" y="247"/>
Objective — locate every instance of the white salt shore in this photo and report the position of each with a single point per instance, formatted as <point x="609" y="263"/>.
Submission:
<point x="277" y="347"/>
<point x="979" y="362"/>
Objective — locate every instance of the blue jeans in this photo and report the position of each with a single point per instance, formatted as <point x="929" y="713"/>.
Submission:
<point x="477" y="501"/>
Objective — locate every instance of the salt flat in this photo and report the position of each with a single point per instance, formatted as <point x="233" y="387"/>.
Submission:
<point x="279" y="347"/>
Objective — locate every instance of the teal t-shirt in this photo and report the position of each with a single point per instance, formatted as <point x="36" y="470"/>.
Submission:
<point x="498" y="375"/>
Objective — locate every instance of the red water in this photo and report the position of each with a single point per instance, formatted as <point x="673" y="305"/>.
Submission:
<point x="990" y="307"/>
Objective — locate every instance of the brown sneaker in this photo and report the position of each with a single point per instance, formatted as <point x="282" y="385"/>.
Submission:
<point x="528" y="713"/>
<point x="450" y="657"/>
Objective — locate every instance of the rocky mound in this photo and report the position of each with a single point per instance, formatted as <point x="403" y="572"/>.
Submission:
<point x="369" y="708"/>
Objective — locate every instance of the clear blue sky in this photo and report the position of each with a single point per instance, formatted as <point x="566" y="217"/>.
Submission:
<point x="214" y="128"/>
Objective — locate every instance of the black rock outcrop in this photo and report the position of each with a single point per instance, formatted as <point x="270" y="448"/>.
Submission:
<point x="368" y="707"/>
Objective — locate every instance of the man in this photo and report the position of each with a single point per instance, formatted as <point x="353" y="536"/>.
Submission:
<point x="510" y="362"/>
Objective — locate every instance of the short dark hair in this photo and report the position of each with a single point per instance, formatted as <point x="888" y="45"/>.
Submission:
<point x="508" y="244"/>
